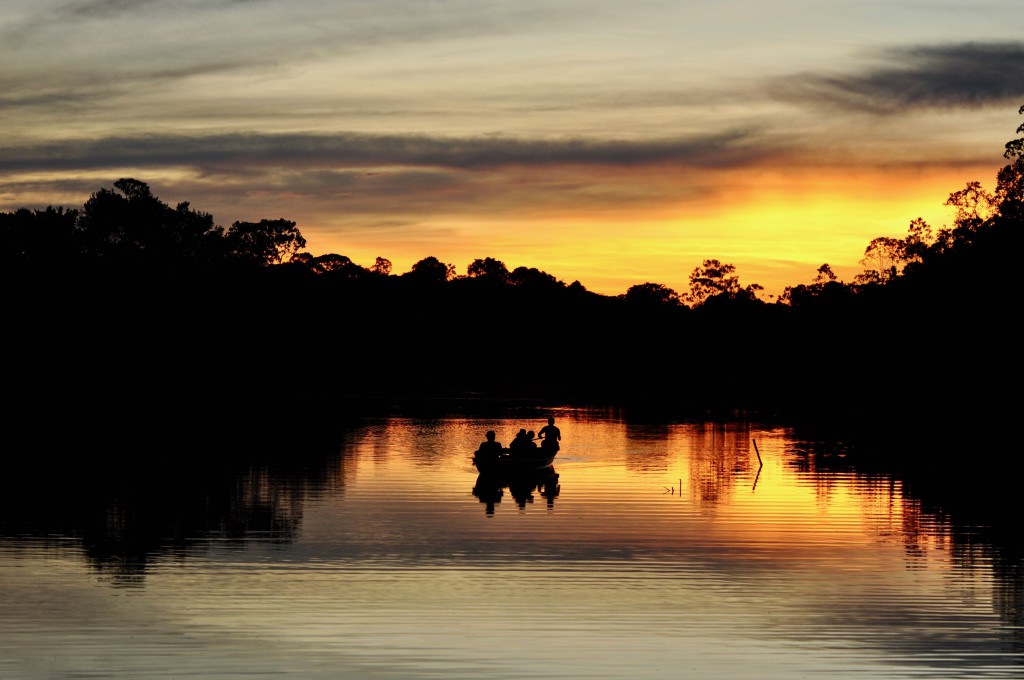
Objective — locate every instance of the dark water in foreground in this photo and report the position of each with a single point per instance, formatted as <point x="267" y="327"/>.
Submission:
<point x="659" y="550"/>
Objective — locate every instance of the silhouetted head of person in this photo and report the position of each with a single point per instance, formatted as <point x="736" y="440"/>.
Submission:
<point x="530" y="434"/>
<point x="490" y="435"/>
<point x="522" y="432"/>
<point x="551" y="421"/>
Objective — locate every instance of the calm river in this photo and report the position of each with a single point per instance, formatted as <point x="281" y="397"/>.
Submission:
<point x="667" y="550"/>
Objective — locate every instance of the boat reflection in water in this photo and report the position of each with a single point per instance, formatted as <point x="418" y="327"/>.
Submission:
<point x="490" y="486"/>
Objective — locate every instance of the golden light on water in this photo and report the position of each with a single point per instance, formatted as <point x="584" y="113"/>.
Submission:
<point x="666" y="545"/>
<point x="662" y="489"/>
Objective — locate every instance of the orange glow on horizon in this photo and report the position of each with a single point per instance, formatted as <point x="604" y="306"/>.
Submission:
<point x="777" y="228"/>
<point x="615" y="228"/>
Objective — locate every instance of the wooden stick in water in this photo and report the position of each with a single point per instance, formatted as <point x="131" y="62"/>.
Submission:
<point x="759" y="462"/>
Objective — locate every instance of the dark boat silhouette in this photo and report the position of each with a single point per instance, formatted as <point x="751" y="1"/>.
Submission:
<point x="512" y="461"/>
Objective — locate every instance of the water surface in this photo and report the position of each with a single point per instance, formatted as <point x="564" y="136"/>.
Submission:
<point x="660" y="549"/>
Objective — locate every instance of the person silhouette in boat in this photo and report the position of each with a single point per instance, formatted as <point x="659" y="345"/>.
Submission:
<point x="549" y="436"/>
<point x="521" y="441"/>
<point x="489" y="449"/>
<point x="523" y="446"/>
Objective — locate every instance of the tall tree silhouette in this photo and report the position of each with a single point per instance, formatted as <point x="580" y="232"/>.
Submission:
<point x="1010" y="179"/>
<point x="128" y="223"/>
<point x="431" y="270"/>
<point x="264" y="242"/>
<point x="488" y="268"/>
<point x="715" y="279"/>
<point x="652" y="295"/>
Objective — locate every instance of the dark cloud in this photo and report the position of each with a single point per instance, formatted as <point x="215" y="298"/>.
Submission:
<point x="67" y="93"/>
<point x="967" y="75"/>
<point x="241" y="151"/>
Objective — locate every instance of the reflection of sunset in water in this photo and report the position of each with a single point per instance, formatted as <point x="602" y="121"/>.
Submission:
<point x="657" y="488"/>
<point x="660" y="546"/>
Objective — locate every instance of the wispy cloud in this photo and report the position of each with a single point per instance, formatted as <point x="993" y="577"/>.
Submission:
<point x="102" y="8"/>
<point x="73" y="53"/>
<point x="240" y="150"/>
<point x="963" y="75"/>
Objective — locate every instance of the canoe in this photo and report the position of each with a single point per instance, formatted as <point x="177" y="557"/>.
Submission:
<point x="515" y="461"/>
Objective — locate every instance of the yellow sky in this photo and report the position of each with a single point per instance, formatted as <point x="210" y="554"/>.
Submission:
<point x="777" y="227"/>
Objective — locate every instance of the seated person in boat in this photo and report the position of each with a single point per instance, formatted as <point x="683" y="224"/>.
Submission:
<point x="489" y="448"/>
<point x="520" y="442"/>
<point x="523" y="445"/>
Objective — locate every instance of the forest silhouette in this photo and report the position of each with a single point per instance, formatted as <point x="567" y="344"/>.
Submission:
<point x="127" y="307"/>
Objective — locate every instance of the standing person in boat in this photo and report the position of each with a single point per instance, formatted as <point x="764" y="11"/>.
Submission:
<point x="489" y="450"/>
<point x="550" y="435"/>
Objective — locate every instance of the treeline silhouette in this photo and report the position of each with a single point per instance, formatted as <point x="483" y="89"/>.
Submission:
<point x="130" y="306"/>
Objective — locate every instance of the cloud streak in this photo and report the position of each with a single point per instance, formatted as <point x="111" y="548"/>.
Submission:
<point x="968" y="75"/>
<point x="99" y="9"/>
<point x="239" y="150"/>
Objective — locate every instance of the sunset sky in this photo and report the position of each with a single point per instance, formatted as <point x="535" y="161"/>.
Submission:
<point x="609" y="143"/>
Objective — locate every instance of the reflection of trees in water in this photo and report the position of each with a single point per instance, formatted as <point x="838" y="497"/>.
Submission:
<point x="645" y="432"/>
<point x="887" y="512"/>
<point x="648" y="440"/>
<point x="127" y="505"/>
<point x="1001" y="547"/>
<point x="804" y="460"/>
<point x="971" y="515"/>
<point x="647" y="446"/>
<point x="1008" y="565"/>
<point x="721" y="453"/>
<point x="428" y="444"/>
